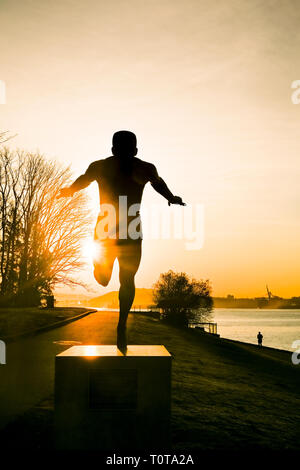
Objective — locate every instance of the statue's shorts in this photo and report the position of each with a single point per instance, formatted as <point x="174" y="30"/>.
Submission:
<point x="128" y="253"/>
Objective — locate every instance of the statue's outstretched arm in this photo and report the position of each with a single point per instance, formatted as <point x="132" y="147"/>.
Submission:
<point x="161" y="187"/>
<point x="81" y="182"/>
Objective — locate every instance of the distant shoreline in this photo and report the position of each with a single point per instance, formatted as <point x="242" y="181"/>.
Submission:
<point x="258" y="308"/>
<point x="144" y="299"/>
<point x="257" y="303"/>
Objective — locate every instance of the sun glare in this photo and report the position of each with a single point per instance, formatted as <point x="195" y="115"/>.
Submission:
<point x="90" y="351"/>
<point x="90" y="249"/>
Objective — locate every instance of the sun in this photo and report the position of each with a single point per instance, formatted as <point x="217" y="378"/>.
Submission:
<point x="91" y="250"/>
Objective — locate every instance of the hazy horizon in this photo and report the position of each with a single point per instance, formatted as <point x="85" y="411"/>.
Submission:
<point x="76" y="293"/>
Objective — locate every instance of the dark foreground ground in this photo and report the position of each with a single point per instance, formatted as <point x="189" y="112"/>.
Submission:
<point x="21" y="321"/>
<point x="225" y="395"/>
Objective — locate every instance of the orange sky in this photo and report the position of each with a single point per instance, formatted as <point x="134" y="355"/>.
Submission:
<point x="205" y="85"/>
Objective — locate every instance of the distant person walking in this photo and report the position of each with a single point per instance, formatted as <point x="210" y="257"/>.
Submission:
<point x="259" y="338"/>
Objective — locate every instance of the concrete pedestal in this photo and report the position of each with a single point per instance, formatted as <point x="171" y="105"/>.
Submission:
<point x="107" y="401"/>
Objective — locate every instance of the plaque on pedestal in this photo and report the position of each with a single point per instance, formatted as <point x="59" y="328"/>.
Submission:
<point x="107" y="401"/>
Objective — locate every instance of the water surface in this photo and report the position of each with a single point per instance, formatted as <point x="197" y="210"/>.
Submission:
<point x="280" y="328"/>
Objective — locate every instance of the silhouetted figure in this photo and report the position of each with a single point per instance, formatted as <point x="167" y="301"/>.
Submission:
<point x="259" y="338"/>
<point x="121" y="179"/>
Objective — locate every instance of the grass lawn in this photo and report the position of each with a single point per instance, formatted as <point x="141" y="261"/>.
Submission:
<point x="225" y="395"/>
<point x="16" y="321"/>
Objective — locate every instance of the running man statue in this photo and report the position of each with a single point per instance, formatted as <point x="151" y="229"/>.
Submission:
<point x="121" y="179"/>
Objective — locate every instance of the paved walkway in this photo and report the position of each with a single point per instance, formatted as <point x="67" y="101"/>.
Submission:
<point x="28" y="375"/>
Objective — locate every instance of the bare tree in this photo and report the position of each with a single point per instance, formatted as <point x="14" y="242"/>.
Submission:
<point x="41" y="236"/>
<point x="4" y="137"/>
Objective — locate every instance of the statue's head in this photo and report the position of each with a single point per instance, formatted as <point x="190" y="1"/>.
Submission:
<point x="124" y="144"/>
